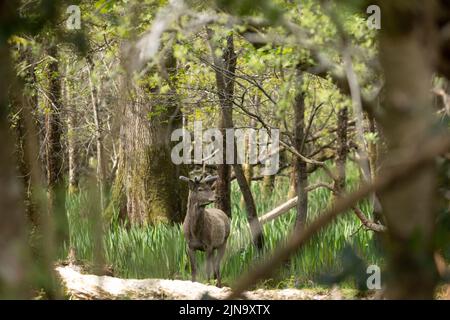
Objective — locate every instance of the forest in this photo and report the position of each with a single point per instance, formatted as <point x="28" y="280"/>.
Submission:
<point x="238" y="149"/>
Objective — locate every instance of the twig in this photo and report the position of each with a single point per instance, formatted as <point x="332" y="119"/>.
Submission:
<point x="367" y="223"/>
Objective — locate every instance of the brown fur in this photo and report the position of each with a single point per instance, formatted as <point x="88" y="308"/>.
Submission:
<point x="205" y="229"/>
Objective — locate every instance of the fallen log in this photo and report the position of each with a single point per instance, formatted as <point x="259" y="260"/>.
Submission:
<point x="278" y="211"/>
<point x="291" y="203"/>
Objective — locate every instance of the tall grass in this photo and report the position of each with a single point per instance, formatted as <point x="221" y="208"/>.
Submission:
<point x="160" y="251"/>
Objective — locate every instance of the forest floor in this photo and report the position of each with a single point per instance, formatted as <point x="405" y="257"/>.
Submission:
<point x="88" y="286"/>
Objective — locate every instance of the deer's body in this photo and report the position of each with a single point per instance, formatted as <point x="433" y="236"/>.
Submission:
<point x="205" y="229"/>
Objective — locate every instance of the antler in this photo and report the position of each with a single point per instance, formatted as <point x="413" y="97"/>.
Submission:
<point x="210" y="179"/>
<point x="185" y="179"/>
<point x="206" y="159"/>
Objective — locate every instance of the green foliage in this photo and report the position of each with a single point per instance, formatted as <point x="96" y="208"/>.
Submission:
<point x="272" y="10"/>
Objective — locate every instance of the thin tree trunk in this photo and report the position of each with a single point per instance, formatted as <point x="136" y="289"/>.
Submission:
<point x="300" y="165"/>
<point x="363" y="156"/>
<point x="373" y="152"/>
<point x="252" y="216"/>
<point x="293" y="178"/>
<point x="248" y="173"/>
<point x="225" y="87"/>
<point x="42" y="242"/>
<point x="72" y="141"/>
<point x="373" y="157"/>
<point x="21" y="144"/>
<point x="268" y="180"/>
<point x="268" y="185"/>
<point x="54" y="152"/>
<point x="342" y="149"/>
<point x="247" y="167"/>
<point x="101" y="175"/>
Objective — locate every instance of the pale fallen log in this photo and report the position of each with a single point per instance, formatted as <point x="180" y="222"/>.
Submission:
<point x="278" y="211"/>
<point x="291" y="203"/>
<point x="92" y="287"/>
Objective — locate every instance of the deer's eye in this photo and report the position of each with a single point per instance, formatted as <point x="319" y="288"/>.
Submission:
<point x="200" y="189"/>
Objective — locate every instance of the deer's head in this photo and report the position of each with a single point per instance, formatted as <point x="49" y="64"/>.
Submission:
<point x="201" y="189"/>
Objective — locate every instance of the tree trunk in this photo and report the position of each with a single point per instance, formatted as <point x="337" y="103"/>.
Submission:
<point x="293" y="178"/>
<point x="300" y="165"/>
<point x="146" y="173"/>
<point x="248" y="173"/>
<point x="72" y="141"/>
<point x="247" y="167"/>
<point x="54" y="152"/>
<point x="101" y="174"/>
<point x="373" y="159"/>
<point x="14" y="279"/>
<point x="22" y="134"/>
<point x="342" y="149"/>
<point x="268" y="185"/>
<point x="363" y="156"/>
<point x="407" y="48"/>
<point x="41" y="239"/>
<point x="225" y="87"/>
<point x="373" y="150"/>
<point x="252" y="216"/>
<point x="361" y="151"/>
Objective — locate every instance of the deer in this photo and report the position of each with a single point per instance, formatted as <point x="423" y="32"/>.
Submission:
<point x="205" y="229"/>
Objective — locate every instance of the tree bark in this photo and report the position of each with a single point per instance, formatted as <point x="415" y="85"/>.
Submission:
<point x="342" y="149"/>
<point x="407" y="47"/>
<point x="22" y="134"/>
<point x="247" y="167"/>
<point x="73" y="147"/>
<point x="41" y="234"/>
<point x="14" y="279"/>
<point x="268" y="185"/>
<point x="252" y="216"/>
<point x="146" y="173"/>
<point x="293" y="178"/>
<point x="225" y="86"/>
<point x="357" y="102"/>
<point x="373" y="150"/>
<point x="101" y="166"/>
<point x="300" y="165"/>
<point x="54" y="152"/>
<point x="362" y="153"/>
<point x="225" y="68"/>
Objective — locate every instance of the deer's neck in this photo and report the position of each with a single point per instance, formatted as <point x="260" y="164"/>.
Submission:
<point x="194" y="216"/>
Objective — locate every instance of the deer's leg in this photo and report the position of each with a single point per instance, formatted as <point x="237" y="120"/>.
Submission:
<point x="209" y="262"/>
<point x="191" y="253"/>
<point x="219" y="256"/>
